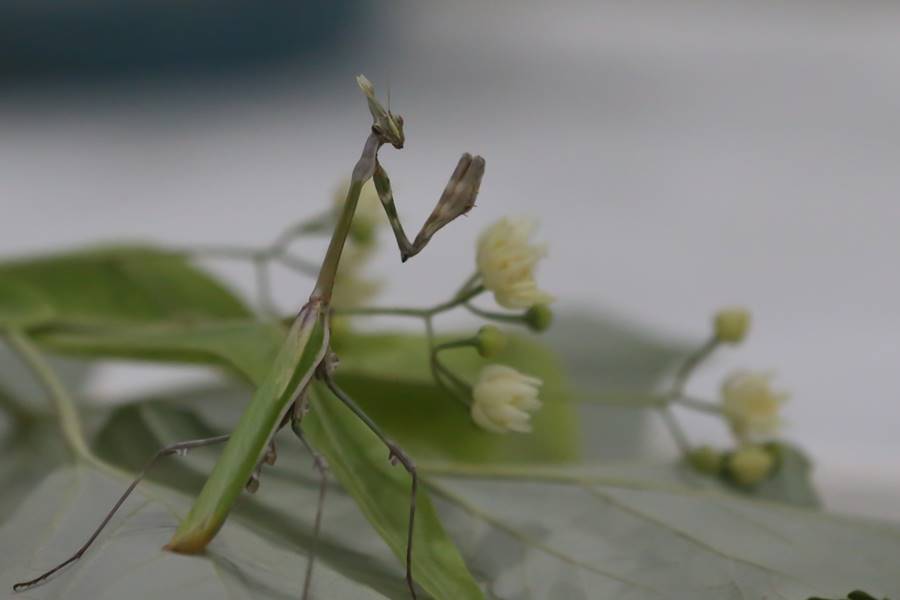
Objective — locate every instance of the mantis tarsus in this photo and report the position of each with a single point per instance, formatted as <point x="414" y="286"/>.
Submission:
<point x="281" y="398"/>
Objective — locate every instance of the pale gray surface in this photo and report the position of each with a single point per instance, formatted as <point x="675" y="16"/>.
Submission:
<point x="681" y="156"/>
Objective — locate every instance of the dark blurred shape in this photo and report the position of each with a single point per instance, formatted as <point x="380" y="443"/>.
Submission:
<point x="48" y="40"/>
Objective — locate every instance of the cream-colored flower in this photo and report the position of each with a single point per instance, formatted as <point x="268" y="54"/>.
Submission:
<point x="503" y="399"/>
<point x="506" y="261"/>
<point x="751" y="406"/>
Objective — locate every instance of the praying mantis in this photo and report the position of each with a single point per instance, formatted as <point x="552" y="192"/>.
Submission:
<point x="282" y="398"/>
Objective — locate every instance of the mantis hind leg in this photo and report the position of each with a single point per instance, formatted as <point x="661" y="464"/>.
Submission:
<point x="179" y="448"/>
<point x="395" y="455"/>
<point x="321" y="466"/>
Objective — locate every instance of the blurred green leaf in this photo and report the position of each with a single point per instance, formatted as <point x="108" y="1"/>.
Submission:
<point x="128" y="560"/>
<point x="389" y="376"/>
<point x="605" y="354"/>
<point x="625" y="532"/>
<point x="792" y="480"/>
<point x="613" y="364"/>
<point x="359" y="460"/>
<point x="21" y="306"/>
<point x="246" y="346"/>
<point x="619" y="531"/>
<point x="122" y="284"/>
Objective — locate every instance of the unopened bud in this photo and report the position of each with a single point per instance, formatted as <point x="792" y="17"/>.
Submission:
<point x="706" y="459"/>
<point x="539" y="317"/>
<point x="490" y="341"/>
<point x="750" y="465"/>
<point x="731" y="324"/>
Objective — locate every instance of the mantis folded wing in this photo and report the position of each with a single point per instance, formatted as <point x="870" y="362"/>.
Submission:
<point x="294" y="367"/>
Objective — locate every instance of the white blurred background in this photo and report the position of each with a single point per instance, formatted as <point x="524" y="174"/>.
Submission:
<point x="681" y="156"/>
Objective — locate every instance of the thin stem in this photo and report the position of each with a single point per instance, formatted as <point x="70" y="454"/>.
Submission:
<point x="681" y="439"/>
<point x="698" y="405"/>
<point x="438" y="371"/>
<point x="317" y="224"/>
<point x="461" y="298"/>
<point x="464" y="390"/>
<point x="420" y="313"/>
<point x="474" y="277"/>
<point x="457" y="381"/>
<point x="295" y="263"/>
<point x="463" y="343"/>
<point x="691" y="363"/>
<point x="676" y="393"/>
<point x="225" y="251"/>
<point x="62" y="402"/>
<point x="495" y="316"/>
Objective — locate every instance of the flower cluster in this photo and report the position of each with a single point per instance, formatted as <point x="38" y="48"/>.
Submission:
<point x="507" y="260"/>
<point x="751" y="406"/>
<point x="503" y="399"/>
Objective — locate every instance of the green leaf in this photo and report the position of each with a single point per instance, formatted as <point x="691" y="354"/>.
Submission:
<point x="625" y="532"/>
<point x="619" y="531"/>
<point x="122" y="284"/>
<point x="283" y="509"/>
<point x="359" y="461"/>
<point x="21" y="306"/>
<point x="245" y="346"/>
<point x="613" y="364"/>
<point x="790" y="483"/>
<point x="792" y="480"/>
<point x="128" y="560"/>
<point x="605" y="354"/>
<point x="389" y="377"/>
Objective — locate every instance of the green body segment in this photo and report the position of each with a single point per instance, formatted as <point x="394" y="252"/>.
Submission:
<point x="294" y="366"/>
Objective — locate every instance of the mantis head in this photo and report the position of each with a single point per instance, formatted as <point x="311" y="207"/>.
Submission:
<point x="386" y="124"/>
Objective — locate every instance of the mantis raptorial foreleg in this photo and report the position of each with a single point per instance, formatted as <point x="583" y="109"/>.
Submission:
<point x="458" y="199"/>
<point x="179" y="448"/>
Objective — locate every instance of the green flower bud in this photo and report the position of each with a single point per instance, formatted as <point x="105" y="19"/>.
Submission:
<point x="539" y="317"/>
<point x="750" y="465"/>
<point x="731" y="324"/>
<point x="490" y="341"/>
<point x="706" y="459"/>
